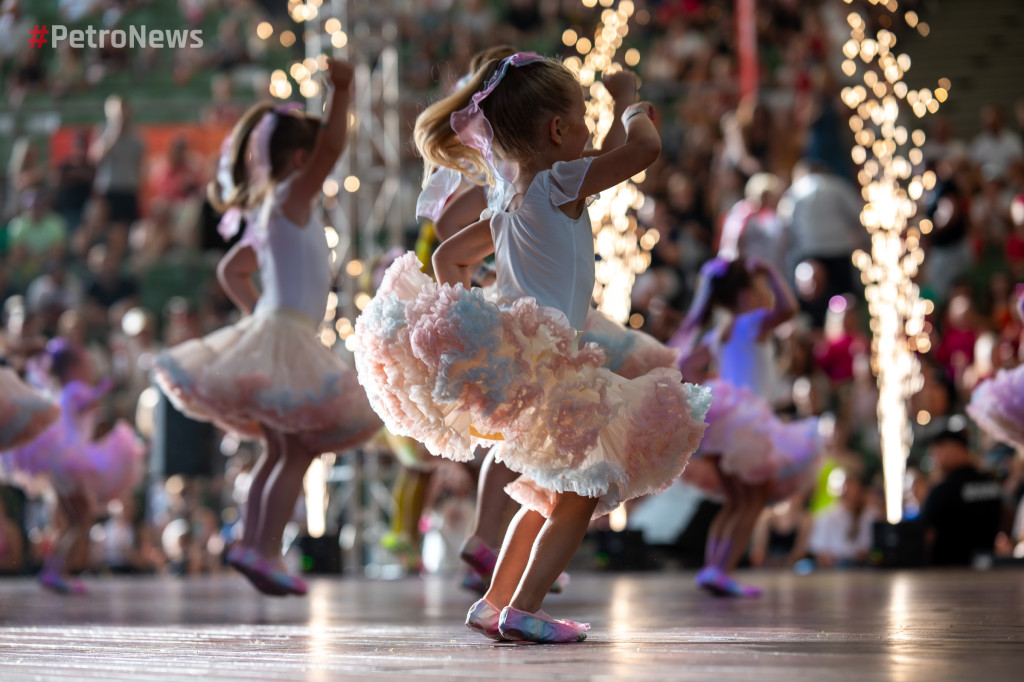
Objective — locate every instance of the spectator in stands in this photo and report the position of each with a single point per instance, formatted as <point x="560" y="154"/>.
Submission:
<point x="821" y="215"/>
<point x="962" y="513"/>
<point x="995" y="144"/>
<point x="177" y="176"/>
<point x="72" y="182"/>
<point x="841" y="536"/>
<point x="119" y="154"/>
<point x="947" y="247"/>
<point x="35" y="236"/>
<point x="752" y="227"/>
<point x="25" y="172"/>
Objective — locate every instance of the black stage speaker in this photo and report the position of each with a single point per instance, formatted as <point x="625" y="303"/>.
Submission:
<point x="898" y="545"/>
<point x="182" y="446"/>
<point x="621" y="551"/>
<point x="320" y="555"/>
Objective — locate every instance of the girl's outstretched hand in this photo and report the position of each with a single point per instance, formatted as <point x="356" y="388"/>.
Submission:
<point x="341" y="73"/>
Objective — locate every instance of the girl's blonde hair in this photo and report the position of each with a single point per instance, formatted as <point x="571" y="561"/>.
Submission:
<point x="292" y="131"/>
<point x="517" y="109"/>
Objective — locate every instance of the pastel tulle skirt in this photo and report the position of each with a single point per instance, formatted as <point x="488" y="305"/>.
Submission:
<point x="746" y="440"/>
<point x="271" y="369"/>
<point x="997" y="405"/>
<point x="106" y="467"/>
<point x="451" y="369"/>
<point x="24" y="414"/>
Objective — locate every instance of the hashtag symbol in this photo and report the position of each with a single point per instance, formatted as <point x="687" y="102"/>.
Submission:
<point x="38" y="36"/>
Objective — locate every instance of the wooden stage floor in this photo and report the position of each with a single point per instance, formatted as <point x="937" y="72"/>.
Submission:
<point x="645" y="627"/>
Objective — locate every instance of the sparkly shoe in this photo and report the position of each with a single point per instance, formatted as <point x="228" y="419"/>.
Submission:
<point x="705" y="576"/>
<point x="483" y="618"/>
<point x="261" y="572"/>
<point x="55" y="582"/>
<point x="521" y="626"/>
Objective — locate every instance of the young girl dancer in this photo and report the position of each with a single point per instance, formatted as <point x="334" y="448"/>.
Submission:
<point x="85" y="474"/>
<point x="748" y="456"/>
<point x="451" y="203"/>
<point x="446" y="366"/>
<point x="268" y="376"/>
<point x="997" y="404"/>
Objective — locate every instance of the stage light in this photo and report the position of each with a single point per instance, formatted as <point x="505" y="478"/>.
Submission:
<point x="339" y="39"/>
<point x="354" y="268"/>
<point x="332" y="237"/>
<point x="264" y="30"/>
<point x="330" y="187"/>
<point x="569" y="37"/>
<point x="287" y="39"/>
<point x="351" y="184"/>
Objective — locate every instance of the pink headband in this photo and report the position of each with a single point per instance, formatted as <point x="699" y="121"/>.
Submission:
<point x="470" y="124"/>
<point x="257" y="164"/>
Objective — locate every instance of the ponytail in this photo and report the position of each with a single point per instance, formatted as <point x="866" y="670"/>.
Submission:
<point x="233" y="187"/>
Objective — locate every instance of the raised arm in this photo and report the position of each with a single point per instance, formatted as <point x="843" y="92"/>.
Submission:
<point x="454" y="256"/>
<point x="234" y="272"/>
<point x="329" y="145"/>
<point x="641" y="148"/>
<point x="785" y="302"/>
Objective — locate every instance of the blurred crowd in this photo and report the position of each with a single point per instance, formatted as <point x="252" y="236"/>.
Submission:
<point x="118" y="255"/>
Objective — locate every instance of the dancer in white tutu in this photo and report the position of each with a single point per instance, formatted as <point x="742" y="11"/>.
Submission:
<point x="443" y="364"/>
<point x="269" y="376"/>
<point x="748" y="457"/>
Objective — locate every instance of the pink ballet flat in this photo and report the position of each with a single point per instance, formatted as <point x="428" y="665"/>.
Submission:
<point x="722" y="585"/>
<point x="55" y="582"/>
<point x="262" y="573"/>
<point x="483" y="618"/>
<point x="479" y="556"/>
<point x="520" y="626"/>
<point x="241" y="559"/>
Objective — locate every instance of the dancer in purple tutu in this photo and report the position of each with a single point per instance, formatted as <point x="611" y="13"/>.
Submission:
<point x="748" y="458"/>
<point x="85" y="472"/>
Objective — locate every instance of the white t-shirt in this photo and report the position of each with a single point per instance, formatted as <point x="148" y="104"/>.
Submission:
<point x="831" y="533"/>
<point x="541" y="252"/>
<point x="998" y="151"/>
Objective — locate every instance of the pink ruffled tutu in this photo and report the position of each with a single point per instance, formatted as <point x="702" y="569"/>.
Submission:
<point x="997" y="405"/>
<point x="24" y="414"/>
<point x="107" y="467"/>
<point x="447" y="367"/>
<point x="752" y="444"/>
<point x="270" y="368"/>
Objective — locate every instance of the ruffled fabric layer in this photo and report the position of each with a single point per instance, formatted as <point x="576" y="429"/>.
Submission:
<point x="269" y="369"/>
<point x="107" y="467"/>
<point x="746" y="440"/>
<point x="630" y="353"/>
<point x="997" y="405"/>
<point x="24" y="414"/>
<point x="447" y="367"/>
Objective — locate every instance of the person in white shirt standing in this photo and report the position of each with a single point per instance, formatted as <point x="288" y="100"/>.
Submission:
<point x="996" y="146"/>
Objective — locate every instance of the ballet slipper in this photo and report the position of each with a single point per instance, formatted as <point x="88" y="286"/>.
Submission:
<point x="521" y="626"/>
<point x="265" y="572"/>
<point x="238" y="558"/>
<point x="55" y="582"/>
<point x="722" y="585"/>
<point x="483" y="617"/>
<point x="480" y="557"/>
